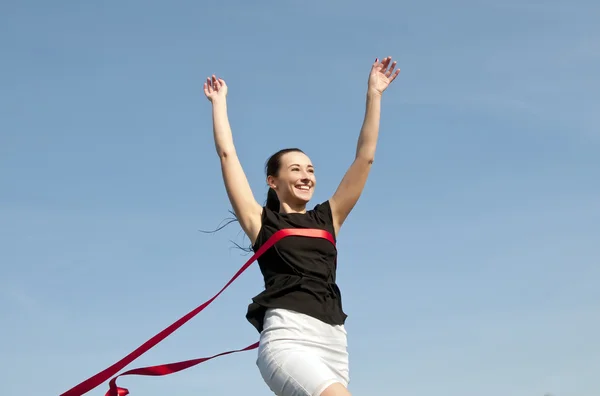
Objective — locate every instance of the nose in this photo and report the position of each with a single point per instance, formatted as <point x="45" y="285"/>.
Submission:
<point x="305" y="174"/>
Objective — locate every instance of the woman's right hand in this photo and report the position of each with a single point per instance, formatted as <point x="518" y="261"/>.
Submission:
<point x="215" y="88"/>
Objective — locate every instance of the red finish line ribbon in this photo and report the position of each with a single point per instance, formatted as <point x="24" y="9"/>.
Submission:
<point x="170" y="368"/>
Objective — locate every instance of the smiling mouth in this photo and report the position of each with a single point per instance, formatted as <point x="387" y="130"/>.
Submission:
<point x="303" y="188"/>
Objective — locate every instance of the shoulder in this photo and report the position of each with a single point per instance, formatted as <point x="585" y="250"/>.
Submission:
<point x="322" y="215"/>
<point x="323" y="210"/>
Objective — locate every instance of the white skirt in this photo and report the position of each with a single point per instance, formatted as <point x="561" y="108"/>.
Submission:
<point x="300" y="355"/>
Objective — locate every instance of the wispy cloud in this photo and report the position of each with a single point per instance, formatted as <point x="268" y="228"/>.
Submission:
<point x="20" y="297"/>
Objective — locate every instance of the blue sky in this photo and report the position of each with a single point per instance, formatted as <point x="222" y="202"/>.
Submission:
<point x="469" y="266"/>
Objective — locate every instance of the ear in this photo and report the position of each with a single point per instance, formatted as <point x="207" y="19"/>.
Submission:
<point x="272" y="182"/>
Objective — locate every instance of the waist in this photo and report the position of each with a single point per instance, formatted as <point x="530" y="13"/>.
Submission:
<point x="293" y="324"/>
<point x="282" y="281"/>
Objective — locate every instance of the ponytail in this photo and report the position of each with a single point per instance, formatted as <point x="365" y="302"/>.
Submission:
<point x="272" y="201"/>
<point x="272" y="169"/>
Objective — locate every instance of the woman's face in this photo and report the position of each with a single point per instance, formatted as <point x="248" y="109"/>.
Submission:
<point x="295" y="182"/>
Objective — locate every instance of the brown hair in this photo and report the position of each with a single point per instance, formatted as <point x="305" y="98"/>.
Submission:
<point x="272" y="169"/>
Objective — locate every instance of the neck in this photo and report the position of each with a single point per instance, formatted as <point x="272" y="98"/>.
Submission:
<point x="292" y="208"/>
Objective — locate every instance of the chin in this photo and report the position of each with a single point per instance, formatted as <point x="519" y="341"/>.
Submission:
<point x="306" y="201"/>
<point x="303" y="199"/>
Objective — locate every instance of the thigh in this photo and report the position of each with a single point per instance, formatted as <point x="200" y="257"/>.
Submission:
<point x="335" y="389"/>
<point x="295" y="373"/>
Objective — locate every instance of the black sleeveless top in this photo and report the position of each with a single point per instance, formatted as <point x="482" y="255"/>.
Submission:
<point x="299" y="272"/>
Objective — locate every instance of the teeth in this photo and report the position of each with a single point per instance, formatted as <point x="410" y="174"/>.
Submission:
<point x="303" y="187"/>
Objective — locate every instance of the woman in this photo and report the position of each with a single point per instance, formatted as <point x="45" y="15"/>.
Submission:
<point x="303" y="344"/>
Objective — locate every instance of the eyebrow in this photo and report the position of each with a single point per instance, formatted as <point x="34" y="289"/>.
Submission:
<point x="309" y="166"/>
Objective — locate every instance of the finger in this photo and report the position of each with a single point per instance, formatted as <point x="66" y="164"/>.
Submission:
<point x="386" y="62"/>
<point x="208" y="85"/>
<point x="383" y="65"/>
<point x="378" y="66"/>
<point x="215" y="82"/>
<point x="391" y="69"/>
<point x="393" y="77"/>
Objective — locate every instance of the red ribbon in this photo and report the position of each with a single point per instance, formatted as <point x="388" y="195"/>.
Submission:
<point x="165" y="369"/>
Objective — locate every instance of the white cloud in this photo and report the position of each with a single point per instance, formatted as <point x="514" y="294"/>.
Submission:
<point x="17" y="295"/>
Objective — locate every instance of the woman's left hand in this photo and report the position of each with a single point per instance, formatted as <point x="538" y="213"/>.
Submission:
<point x="382" y="75"/>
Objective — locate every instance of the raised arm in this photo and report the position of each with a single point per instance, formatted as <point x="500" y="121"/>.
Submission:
<point x="245" y="206"/>
<point x="348" y="192"/>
